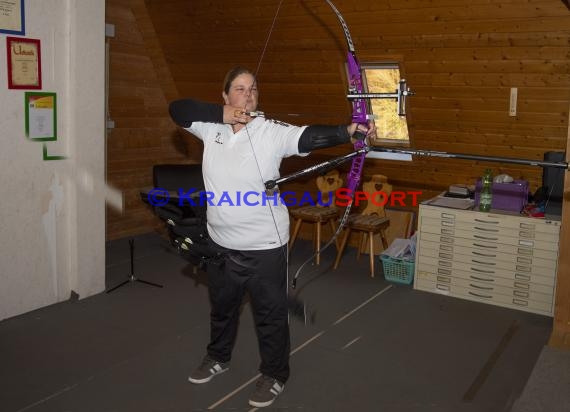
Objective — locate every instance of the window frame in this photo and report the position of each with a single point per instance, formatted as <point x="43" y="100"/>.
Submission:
<point x="390" y="65"/>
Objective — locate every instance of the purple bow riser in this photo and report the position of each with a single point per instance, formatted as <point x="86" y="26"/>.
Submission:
<point x="359" y="111"/>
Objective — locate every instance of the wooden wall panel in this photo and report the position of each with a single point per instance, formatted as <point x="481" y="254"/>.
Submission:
<point x="139" y="91"/>
<point x="560" y="336"/>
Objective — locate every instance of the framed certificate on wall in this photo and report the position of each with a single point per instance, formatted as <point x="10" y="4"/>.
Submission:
<point x="12" y="20"/>
<point x="24" y="63"/>
<point x="41" y="116"/>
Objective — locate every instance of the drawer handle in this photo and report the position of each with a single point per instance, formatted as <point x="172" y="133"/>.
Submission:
<point x="520" y="302"/>
<point x="522" y="277"/>
<point x="444" y="271"/>
<point x="527" y="226"/>
<point x="528" y="243"/>
<point x="479" y="287"/>
<point x="523" y="268"/>
<point x="520" y="294"/>
<point x="481" y="279"/>
<point x="521" y="285"/>
<point x="445" y="239"/>
<point x="445" y="255"/>
<point x="482" y="254"/>
<point x="480" y="296"/>
<point x="447" y="216"/>
<point x="444" y="263"/>
<point x="524" y="260"/>
<point x="484" y="229"/>
<point x="443" y="279"/>
<point x="523" y="233"/>
<point x="447" y="231"/>
<point x="483" y="263"/>
<point x="490" y="222"/>
<point x="447" y="248"/>
<point x="447" y="223"/>
<point x="483" y="271"/>
<point x="485" y="238"/>
<point x="442" y="287"/>
<point x="485" y="246"/>
<point x="523" y="251"/>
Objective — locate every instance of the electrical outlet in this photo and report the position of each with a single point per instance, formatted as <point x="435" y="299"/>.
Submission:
<point x="109" y="30"/>
<point x="513" y="102"/>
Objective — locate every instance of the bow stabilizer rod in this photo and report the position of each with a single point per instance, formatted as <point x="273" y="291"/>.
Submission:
<point x="431" y="153"/>
<point x="271" y="184"/>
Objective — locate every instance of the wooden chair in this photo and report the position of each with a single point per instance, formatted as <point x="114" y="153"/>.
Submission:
<point x="318" y="215"/>
<point x="370" y="222"/>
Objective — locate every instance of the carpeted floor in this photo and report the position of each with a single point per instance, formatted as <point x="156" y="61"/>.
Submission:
<point x="548" y="388"/>
<point x="373" y="346"/>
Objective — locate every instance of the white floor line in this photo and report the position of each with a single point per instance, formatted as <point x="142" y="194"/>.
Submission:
<point x="353" y="311"/>
<point x="238" y="389"/>
<point x="47" y="398"/>
<point x="351" y="342"/>
<point x="306" y="343"/>
<point x="297" y="349"/>
<point x="229" y="395"/>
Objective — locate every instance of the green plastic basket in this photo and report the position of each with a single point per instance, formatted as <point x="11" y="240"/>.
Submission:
<point x="398" y="270"/>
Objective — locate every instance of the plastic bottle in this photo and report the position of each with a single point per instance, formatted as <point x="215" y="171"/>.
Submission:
<point x="486" y="197"/>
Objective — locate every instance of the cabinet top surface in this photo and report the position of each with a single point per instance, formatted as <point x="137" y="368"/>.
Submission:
<point x="494" y="213"/>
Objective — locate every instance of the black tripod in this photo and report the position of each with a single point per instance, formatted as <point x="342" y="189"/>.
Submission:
<point x="132" y="277"/>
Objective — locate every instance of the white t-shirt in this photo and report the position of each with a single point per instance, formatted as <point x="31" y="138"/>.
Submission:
<point x="240" y="215"/>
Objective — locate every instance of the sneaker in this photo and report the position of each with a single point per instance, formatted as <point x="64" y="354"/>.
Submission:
<point x="207" y="370"/>
<point x="266" y="390"/>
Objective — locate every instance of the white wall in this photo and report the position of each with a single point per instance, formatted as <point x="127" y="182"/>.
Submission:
<point x="52" y="221"/>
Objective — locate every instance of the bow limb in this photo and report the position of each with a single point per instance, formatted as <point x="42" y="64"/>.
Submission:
<point x="360" y="113"/>
<point x="360" y="116"/>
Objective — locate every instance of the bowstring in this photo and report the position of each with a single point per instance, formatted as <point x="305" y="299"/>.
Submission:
<point x="295" y="306"/>
<point x="268" y="37"/>
<point x="255" y="74"/>
<point x="347" y="211"/>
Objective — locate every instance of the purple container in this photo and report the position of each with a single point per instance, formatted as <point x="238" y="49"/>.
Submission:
<point x="506" y="196"/>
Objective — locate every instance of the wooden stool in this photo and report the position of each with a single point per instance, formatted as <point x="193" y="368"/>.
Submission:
<point x="318" y="215"/>
<point x="370" y="222"/>
<point x="368" y="225"/>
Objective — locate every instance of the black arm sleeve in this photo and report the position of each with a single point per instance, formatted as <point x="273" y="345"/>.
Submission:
<point x="321" y="137"/>
<point x="186" y="111"/>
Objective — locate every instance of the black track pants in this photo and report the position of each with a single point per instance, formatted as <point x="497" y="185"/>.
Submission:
<point x="263" y="274"/>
